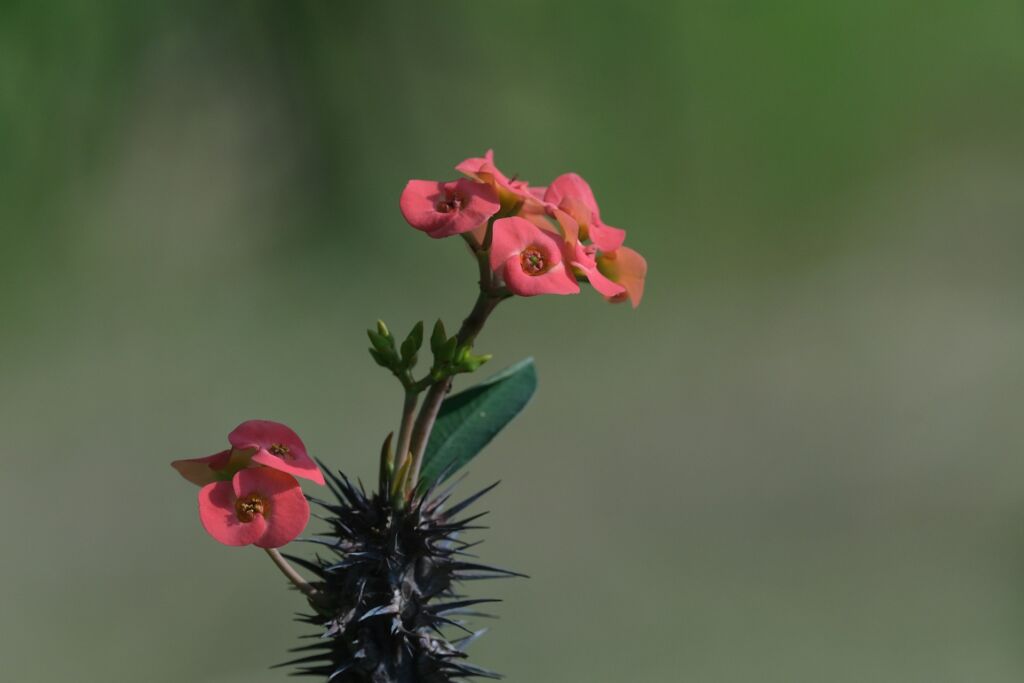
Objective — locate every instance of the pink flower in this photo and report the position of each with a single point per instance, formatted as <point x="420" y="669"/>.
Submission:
<point x="218" y="467"/>
<point x="277" y="447"/>
<point x="581" y="257"/>
<point x="258" y="506"/>
<point x="572" y="194"/>
<point x="529" y="259"/>
<point x="445" y="209"/>
<point x="627" y="268"/>
<point x="511" y="193"/>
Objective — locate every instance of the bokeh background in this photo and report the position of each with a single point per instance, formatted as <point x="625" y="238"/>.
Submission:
<point x="801" y="459"/>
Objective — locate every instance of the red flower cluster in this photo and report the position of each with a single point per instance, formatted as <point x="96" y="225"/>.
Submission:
<point x="544" y="240"/>
<point x="249" y="493"/>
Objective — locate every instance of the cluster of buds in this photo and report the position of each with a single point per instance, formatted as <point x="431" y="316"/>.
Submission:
<point x="450" y="357"/>
<point x="250" y="494"/>
<point x="536" y="240"/>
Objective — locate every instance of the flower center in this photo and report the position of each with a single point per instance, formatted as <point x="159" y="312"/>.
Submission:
<point x="532" y="261"/>
<point x="452" y="201"/>
<point x="247" y="508"/>
<point x="280" y="450"/>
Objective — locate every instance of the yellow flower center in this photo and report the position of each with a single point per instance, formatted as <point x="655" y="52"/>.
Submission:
<point x="247" y="508"/>
<point x="280" y="450"/>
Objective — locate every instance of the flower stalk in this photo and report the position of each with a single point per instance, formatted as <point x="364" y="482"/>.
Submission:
<point x="471" y="327"/>
<point x="290" y="573"/>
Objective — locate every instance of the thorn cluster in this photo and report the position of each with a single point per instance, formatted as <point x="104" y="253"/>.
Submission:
<point x="388" y="588"/>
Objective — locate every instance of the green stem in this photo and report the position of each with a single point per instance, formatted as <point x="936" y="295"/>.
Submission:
<point x="412" y="398"/>
<point x="471" y="327"/>
<point x="486" y="302"/>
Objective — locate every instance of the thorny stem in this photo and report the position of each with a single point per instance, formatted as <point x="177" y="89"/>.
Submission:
<point x="290" y="573"/>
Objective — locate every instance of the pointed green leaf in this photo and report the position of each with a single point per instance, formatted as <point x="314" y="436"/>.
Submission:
<point x="470" y="419"/>
<point x="438" y="336"/>
<point x="412" y="344"/>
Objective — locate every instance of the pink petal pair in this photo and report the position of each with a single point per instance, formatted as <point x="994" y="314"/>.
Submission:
<point x="277" y="447"/>
<point x="572" y="194"/>
<point x="529" y="259"/>
<point x="615" y="271"/>
<point x="249" y="494"/>
<point x="259" y="506"/>
<point x="445" y="209"/>
<point x="255" y="441"/>
<point x="513" y="194"/>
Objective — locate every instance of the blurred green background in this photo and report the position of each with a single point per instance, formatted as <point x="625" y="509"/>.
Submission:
<point x="801" y="459"/>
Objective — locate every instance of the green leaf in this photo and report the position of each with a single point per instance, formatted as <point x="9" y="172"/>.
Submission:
<point x="446" y="353"/>
<point x="469" y="420"/>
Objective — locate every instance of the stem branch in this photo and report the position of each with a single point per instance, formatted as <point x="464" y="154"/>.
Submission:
<point x="488" y="298"/>
<point x="471" y="327"/>
<point x="412" y="398"/>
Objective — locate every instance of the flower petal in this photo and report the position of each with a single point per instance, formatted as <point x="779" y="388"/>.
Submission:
<point x="572" y="185"/>
<point x="202" y="471"/>
<point x="217" y="514"/>
<point x="583" y="259"/>
<point x="469" y="205"/>
<point x="629" y="269"/>
<point x="511" y="193"/>
<point x="556" y="280"/>
<point x="268" y="438"/>
<point x="511" y="236"/>
<point x="287" y="509"/>
<point x="572" y="193"/>
<point x="605" y="237"/>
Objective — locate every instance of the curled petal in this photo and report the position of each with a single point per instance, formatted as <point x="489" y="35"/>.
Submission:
<point x="202" y="471"/>
<point x="582" y="258"/>
<point x="627" y="268"/>
<point x="513" y="194"/>
<point x="572" y="194"/>
<point x="605" y="237"/>
<point x="572" y="185"/>
<point x="277" y="447"/>
<point x="218" y="467"/>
